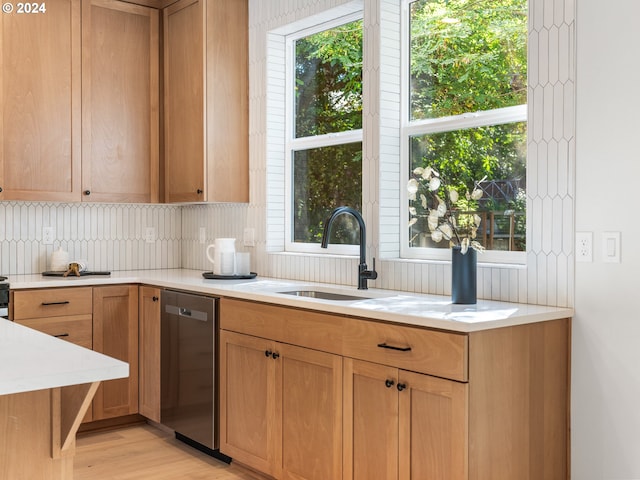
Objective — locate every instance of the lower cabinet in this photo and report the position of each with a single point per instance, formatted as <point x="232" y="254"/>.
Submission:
<point x="281" y="407"/>
<point x="65" y="313"/>
<point x="309" y="395"/>
<point x="400" y="424"/>
<point x="102" y="318"/>
<point x="115" y="333"/>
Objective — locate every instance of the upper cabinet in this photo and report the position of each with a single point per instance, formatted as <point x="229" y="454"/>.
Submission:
<point x="206" y="101"/>
<point x="80" y="98"/>
<point x="40" y="104"/>
<point x="120" y="99"/>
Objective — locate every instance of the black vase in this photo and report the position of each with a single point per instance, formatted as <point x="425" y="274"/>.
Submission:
<point x="463" y="276"/>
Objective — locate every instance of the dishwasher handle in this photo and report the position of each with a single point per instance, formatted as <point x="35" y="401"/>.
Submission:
<point x="186" y="313"/>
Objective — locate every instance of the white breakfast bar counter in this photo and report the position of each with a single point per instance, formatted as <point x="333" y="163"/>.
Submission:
<point x="46" y="386"/>
<point x="429" y="311"/>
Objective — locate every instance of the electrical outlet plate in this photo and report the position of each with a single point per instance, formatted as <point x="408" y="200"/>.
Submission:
<point x="48" y="235"/>
<point x="584" y="246"/>
<point x="150" y="235"/>
<point x="249" y="237"/>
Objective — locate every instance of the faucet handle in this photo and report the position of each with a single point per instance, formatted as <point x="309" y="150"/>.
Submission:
<point x="372" y="274"/>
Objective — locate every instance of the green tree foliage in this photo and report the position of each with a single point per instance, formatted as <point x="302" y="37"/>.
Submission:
<point x="329" y="81"/>
<point x="467" y="56"/>
<point x="328" y="100"/>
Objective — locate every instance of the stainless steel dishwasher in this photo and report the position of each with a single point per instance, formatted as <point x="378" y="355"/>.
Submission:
<point x="188" y="370"/>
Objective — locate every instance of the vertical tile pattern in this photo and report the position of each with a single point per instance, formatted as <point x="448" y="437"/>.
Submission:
<point x="107" y="237"/>
<point x="551" y="153"/>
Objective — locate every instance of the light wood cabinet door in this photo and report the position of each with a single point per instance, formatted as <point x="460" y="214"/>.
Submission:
<point x="311" y="413"/>
<point x="120" y="102"/>
<point x="184" y="101"/>
<point x="370" y="421"/>
<point x="281" y="408"/>
<point x="250" y="413"/>
<point x="149" y="352"/>
<point x="227" y="101"/>
<point x="40" y="113"/>
<point x="403" y="425"/>
<point x="433" y="428"/>
<point x="206" y="101"/>
<point x="115" y="333"/>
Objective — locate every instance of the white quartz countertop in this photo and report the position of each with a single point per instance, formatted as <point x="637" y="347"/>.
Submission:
<point x="432" y="311"/>
<point x="30" y="360"/>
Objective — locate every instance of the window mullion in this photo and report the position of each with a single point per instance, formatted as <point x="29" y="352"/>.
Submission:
<point x="327" y="140"/>
<point x="498" y="116"/>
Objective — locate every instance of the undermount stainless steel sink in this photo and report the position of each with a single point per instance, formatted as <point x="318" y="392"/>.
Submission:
<point x="324" y="295"/>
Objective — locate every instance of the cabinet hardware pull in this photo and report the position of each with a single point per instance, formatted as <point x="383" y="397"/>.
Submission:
<point x="199" y="191"/>
<point x="401" y="386"/>
<point x="61" y="335"/>
<point x="267" y="353"/>
<point x="275" y="355"/>
<point x="155" y="299"/>
<point x="391" y="347"/>
<point x="87" y="192"/>
<point x="63" y="302"/>
<point x="0" y="189"/>
<point x="389" y="383"/>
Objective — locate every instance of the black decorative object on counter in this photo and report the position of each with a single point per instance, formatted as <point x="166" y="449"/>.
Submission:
<point x="82" y="273"/>
<point x="215" y="276"/>
<point x="463" y="276"/>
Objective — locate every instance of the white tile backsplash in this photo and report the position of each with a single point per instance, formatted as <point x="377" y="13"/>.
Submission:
<point x="106" y="236"/>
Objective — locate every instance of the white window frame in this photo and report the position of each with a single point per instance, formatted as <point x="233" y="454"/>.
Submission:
<point x="410" y="128"/>
<point x="293" y="144"/>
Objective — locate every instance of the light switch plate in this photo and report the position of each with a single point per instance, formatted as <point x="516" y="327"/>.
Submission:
<point x="611" y="247"/>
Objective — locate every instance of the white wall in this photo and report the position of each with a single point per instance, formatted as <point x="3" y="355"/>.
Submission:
<point x="606" y="328"/>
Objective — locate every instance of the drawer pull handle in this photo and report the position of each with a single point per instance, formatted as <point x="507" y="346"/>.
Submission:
<point x="391" y="347"/>
<point x="389" y="383"/>
<point x="61" y="335"/>
<point x="268" y="353"/>
<point x="275" y="355"/>
<point x="64" y="302"/>
<point x="401" y="386"/>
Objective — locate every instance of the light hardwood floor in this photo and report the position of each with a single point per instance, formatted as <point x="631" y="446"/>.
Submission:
<point x="146" y="452"/>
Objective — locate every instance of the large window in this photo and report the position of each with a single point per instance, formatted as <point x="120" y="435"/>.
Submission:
<point x="465" y="117"/>
<point x="324" y="138"/>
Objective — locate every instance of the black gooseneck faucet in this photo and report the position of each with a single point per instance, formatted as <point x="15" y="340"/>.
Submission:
<point x="363" y="273"/>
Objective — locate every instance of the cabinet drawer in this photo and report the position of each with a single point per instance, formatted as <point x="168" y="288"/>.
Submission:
<point x="304" y="328"/>
<point x="76" y="329"/>
<point x="52" y="302"/>
<point x="433" y="352"/>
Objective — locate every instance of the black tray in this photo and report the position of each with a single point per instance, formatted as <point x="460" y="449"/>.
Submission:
<point x="213" y="276"/>
<point x="82" y="274"/>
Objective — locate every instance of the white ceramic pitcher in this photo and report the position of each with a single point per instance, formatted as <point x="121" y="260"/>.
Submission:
<point x="224" y="256"/>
